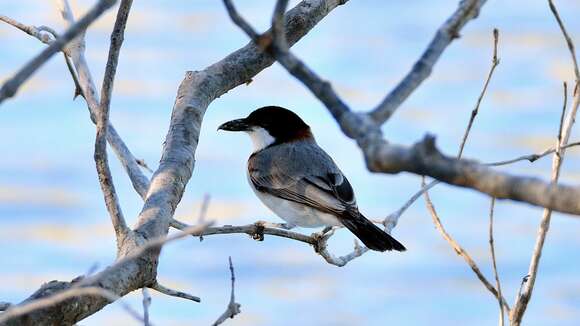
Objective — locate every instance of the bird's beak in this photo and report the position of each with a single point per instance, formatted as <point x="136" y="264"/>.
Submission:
<point x="235" y="125"/>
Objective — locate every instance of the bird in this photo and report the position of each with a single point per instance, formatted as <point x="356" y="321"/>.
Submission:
<point x="297" y="180"/>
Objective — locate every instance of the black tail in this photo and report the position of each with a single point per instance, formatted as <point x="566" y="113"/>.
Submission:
<point x="373" y="237"/>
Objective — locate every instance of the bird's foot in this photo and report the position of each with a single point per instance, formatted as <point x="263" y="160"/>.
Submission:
<point x="258" y="234"/>
<point x="322" y="238"/>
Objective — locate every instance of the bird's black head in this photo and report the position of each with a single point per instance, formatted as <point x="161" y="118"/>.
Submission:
<point x="281" y="124"/>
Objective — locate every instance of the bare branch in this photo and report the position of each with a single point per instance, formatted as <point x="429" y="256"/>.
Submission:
<point x="460" y="251"/>
<point x="532" y="157"/>
<point x="10" y="87"/>
<point x="394" y="217"/>
<point x="146" y="304"/>
<point x="494" y="263"/>
<point x="256" y="231"/>
<point x="321" y="249"/>
<point x="425" y="159"/>
<point x="38" y="33"/>
<point x="103" y="171"/>
<point x="76" y="49"/>
<point x="494" y="63"/>
<point x="528" y="283"/>
<point x="21" y="310"/>
<point x="162" y="289"/>
<point x="449" y="31"/>
<point x="526" y="292"/>
<point x="233" y="307"/>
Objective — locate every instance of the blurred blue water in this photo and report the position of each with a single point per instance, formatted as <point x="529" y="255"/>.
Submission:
<point x="54" y="224"/>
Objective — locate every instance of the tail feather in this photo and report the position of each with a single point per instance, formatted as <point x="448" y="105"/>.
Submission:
<point x="372" y="236"/>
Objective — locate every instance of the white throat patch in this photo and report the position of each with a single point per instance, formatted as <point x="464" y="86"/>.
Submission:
<point x="261" y="138"/>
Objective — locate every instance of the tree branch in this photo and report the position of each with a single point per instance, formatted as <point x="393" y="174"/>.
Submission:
<point x="460" y="251"/>
<point x="525" y="295"/>
<point x="494" y="263"/>
<point x="39" y="33"/>
<point x="10" y="87"/>
<point x="103" y="171"/>
<point x="449" y="31"/>
<point x="76" y="50"/>
<point x="167" y="291"/>
<point x="42" y="303"/>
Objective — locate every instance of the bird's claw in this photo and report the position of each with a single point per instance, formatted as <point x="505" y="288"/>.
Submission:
<point x="258" y="235"/>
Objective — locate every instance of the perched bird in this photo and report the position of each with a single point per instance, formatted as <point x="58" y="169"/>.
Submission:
<point x="298" y="181"/>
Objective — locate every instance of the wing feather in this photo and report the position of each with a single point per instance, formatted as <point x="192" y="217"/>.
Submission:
<point x="302" y="174"/>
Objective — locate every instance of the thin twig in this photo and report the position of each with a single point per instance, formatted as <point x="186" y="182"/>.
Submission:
<point x="459" y="250"/>
<point x="101" y="160"/>
<point x="233" y="307"/>
<point x="40" y="34"/>
<point x="254" y="230"/>
<point x="146" y="304"/>
<point x="494" y="262"/>
<point x="494" y="63"/>
<point x="533" y="157"/>
<point x="178" y="294"/>
<point x="10" y="87"/>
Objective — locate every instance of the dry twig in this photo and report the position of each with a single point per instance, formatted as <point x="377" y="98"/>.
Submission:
<point x="102" y="117"/>
<point x="233" y="307"/>
<point x="178" y="294"/>
<point x="494" y="262"/>
<point x="460" y="251"/>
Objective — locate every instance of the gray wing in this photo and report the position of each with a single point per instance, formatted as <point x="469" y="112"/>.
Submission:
<point x="302" y="172"/>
